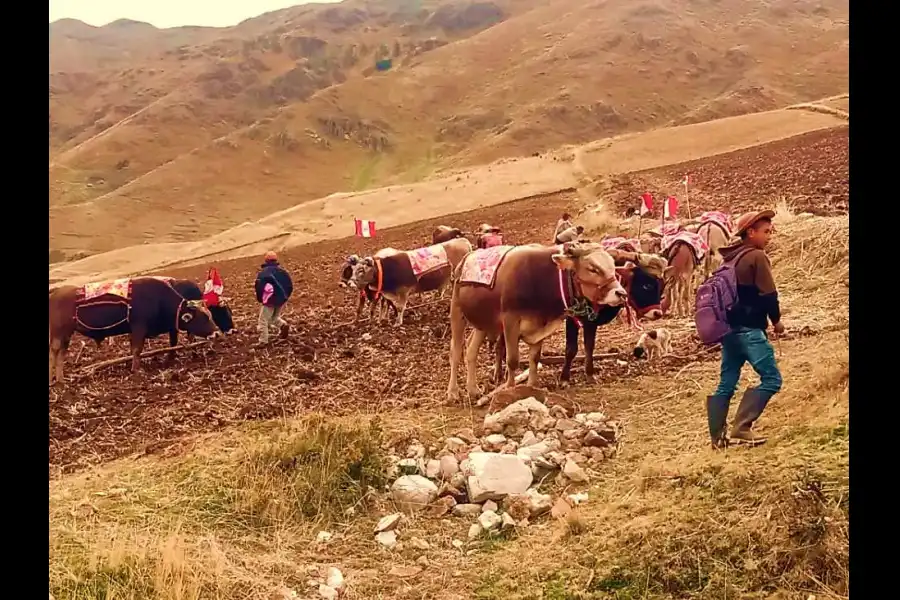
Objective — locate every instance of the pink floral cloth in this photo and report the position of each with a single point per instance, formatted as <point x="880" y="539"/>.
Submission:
<point x="621" y="243"/>
<point x="425" y="260"/>
<point x="480" y="266"/>
<point x="116" y="287"/>
<point x="690" y="238"/>
<point x="719" y="218"/>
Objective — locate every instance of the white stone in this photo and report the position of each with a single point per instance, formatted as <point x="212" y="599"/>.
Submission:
<point x="449" y="466"/>
<point x="517" y="417"/>
<point x="574" y="472"/>
<point x="455" y="445"/>
<point x="419" y="544"/>
<point x="458" y="544"/>
<point x="413" y="492"/>
<point x="327" y="593"/>
<point x="388" y="539"/>
<point x="334" y="578"/>
<point x="489" y="520"/>
<point x="415" y="450"/>
<point x="323" y="537"/>
<point x="566" y="425"/>
<point x="538" y="503"/>
<point x="474" y="531"/>
<point x="433" y="469"/>
<point x="507" y="522"/>
<point x="494" y="476"/>
<point x="596" y="417"/>
<point x="528" y="439"/>
<point x="538" y="449"/>
<point x="387" y="523"/>
<point x="466" y="510"/>
<point x="494" y="441"/>
<point x="408" y="466"/>
<point x="578" y="498"/>
<point x="489" y="505"/>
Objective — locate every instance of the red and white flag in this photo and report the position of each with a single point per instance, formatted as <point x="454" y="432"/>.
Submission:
<point x="364" y="229"/>
<point x="670" y="207"/>
<point x="646" y="203"/>
<point x="686" y="180"/>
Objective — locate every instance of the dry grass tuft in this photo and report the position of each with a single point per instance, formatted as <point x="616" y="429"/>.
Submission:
<point x="223" y="522"/>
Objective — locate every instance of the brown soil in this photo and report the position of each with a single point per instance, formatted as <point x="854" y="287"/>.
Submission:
<point x="811" y="171"/>
<point x="326" y="364"/>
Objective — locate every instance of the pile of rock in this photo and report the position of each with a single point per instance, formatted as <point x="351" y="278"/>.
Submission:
<point x="494" y="478"/>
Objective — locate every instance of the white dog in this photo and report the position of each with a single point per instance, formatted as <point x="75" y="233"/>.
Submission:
<point x="656" y="342"/>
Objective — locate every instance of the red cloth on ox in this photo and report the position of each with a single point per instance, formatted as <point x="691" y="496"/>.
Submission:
<point x="213" y="288"/>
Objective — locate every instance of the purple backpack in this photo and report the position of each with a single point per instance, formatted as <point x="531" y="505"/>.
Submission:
<point x="715" y="298"/>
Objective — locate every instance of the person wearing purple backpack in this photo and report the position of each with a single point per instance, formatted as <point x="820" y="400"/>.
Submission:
<point x="746" y="340"/>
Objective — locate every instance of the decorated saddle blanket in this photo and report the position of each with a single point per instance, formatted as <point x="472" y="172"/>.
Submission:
<point x="480" y="266"/>
<point x="426" y="260"/>
<point x="116" y="287"/>
<point x="719" y="218"/>
<point x="666" y="230"/>
<point x="621" y="243"/>
<point x="693" y="240"/>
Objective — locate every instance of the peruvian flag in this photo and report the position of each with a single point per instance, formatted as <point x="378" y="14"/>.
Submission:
<point x="646" y="203"/>
<point x="364" y="229"/>
<point x="670" y="207"/>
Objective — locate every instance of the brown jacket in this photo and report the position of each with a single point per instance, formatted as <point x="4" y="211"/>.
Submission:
<point x="757" y="294"/>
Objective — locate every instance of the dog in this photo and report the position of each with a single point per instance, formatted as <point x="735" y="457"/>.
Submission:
<point x="656" y="342"/>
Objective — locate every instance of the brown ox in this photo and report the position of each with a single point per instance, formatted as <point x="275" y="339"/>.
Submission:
<point x="393" y="276"/>
<point x="527" y="302"/>
<point x="152" y="308"/>
<point x="444" y="234"/>
<point x="715" y="237"/>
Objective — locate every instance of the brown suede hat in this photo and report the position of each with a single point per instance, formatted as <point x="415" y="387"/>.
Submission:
<point x="747" y="220"/>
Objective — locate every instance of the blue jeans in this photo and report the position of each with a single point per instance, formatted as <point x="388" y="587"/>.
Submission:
<point x="748" y="345"/>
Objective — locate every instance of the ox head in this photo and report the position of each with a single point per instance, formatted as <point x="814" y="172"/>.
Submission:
<point x="643" y="278"/>
<point x="195" y="318"/>
<point x="347" y="270"/>
<point x="595" y="272"/>
<point x="362" y="273"/>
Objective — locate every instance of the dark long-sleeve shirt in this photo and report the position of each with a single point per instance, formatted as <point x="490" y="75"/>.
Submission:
<point x="757" y="295"/>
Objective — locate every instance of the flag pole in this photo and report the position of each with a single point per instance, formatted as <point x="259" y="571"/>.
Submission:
<point x="687" y="198"/>
<point x="640" y="215"/>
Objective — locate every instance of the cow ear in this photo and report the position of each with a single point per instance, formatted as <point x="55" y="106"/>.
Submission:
<point x="186" y="317"/>
<point x="564" y="261"/>
<point x="370" y="262"/>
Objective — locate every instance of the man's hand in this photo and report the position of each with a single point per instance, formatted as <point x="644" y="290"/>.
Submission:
<point x="778" y="327"/>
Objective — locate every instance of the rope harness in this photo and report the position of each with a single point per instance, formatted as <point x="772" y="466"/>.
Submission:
<point x="127" y="319"/>
<point x="580" y="306"/>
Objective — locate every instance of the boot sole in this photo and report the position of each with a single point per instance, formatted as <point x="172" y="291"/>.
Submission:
<point x="748" y="443"/>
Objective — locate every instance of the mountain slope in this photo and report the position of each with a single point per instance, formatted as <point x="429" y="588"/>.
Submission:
<point x="289" y="106"/>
